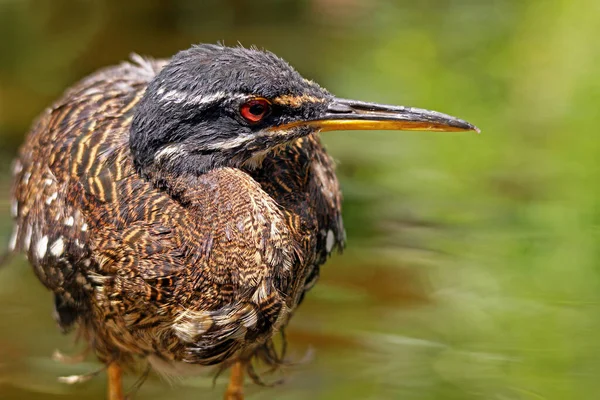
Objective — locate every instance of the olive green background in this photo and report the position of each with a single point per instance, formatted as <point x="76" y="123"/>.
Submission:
<point x="473" y="261"/>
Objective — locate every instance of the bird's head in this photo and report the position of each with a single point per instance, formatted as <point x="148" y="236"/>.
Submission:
<point x="213" y="106"/>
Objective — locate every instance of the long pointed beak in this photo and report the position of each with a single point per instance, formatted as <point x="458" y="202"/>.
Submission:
<point x="342" y="114"/>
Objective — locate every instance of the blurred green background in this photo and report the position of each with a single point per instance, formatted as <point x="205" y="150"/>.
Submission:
<point x="473" y="262"/>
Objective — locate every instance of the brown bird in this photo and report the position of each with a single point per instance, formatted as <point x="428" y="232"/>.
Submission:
<point x="180" y="209"/>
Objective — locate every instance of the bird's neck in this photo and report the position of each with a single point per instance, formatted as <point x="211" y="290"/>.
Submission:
<point x="281" y="171"/>
<point x="284" y="172"/>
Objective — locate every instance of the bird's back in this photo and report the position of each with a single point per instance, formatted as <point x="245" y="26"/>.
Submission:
<point x="193" y="275"/>
<point x="68" y="146"/>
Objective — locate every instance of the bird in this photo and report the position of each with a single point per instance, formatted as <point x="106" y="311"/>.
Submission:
<point x="180" y="209"/>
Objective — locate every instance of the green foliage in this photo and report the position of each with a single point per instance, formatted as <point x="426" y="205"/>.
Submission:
<point x="472" y="269"/>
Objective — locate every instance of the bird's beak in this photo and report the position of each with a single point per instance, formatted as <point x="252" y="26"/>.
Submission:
<point x="342" y="114"/>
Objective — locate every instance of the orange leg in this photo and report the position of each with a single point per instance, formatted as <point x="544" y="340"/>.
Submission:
<point x="115" y="384"/>
<point x="235" y="389"/>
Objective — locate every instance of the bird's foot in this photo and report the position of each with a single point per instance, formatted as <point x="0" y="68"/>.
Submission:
<point x="235" y="389"/>
<point x="234" y="394"/>
<point x="115" y="382"/>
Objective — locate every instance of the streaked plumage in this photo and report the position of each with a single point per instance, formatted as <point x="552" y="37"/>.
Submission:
<point x="200" y="277"/>
<point x="172" y="227"/>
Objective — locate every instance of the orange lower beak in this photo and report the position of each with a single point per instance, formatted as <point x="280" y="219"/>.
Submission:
<point x="344" y="114"/>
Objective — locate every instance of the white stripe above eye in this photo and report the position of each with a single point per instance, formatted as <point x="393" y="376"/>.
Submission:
<point x="181" y="97"/>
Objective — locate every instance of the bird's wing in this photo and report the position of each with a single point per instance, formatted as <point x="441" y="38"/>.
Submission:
<point x="301" y="178"/>
<point x="325" y="192"/>
<point x="67" y="142"/>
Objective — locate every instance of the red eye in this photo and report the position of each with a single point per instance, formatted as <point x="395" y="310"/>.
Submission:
<point x="255" y="110"/>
